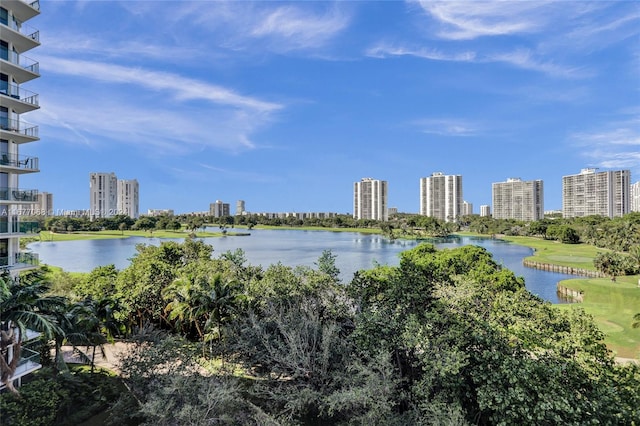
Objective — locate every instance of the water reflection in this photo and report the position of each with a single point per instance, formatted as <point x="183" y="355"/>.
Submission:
<point x="354" y="251"/>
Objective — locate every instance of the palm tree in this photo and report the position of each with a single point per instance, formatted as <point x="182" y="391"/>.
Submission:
<point x="24" y="305"/>
<point x="636" y="321"/>
<point x="93" y="323"/>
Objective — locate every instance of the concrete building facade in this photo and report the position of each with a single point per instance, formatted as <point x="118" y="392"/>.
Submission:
<point x="467" y="208"/>
<point x="103" y="193"/>
<point x="219" y="209"/>
<point x="128" y="198"/>
<point x="485" y="210"/>
<point x="44" y="205"/>
<point x="518" y="199"/>
<point x="590" y="192"/>
<point x="635" y="197"/>
<point x="240" y="208"/>
<point x="16" y="71"/>
<point x="441" y="196"/>
<point x="370" y="199"/>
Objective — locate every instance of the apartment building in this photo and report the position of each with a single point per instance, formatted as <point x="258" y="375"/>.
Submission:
<point x="441" y="196"/>
<point x="16" y="71"/>
<point x="44" y="204"/>
<point x="370" y="199"/>
<point x="591" y="192"/>
<point x="635" y="197"/>
<point x="467" y="208"/>
<point x="240" y="208"/>
<point x="485" y="210"/>
<point x="128" y="198"/>
<point x="103" y="193"/>
<point x="518" y="199"/>
<point x="219" y="209"/>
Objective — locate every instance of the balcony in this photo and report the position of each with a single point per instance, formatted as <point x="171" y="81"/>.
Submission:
<point x="15" y="195"/>
<point x="19" y="163"/>
<point x="21" y="260"/>
<point x="18" y="131"/>
<point x="22" y="36"/>
<point x="18" y="99"/>
<point x="16" y="227"/>
<point x="23" y="10"/>
<point x="20" y="67"/>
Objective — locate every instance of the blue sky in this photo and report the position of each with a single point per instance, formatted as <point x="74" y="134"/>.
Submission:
<point x="285" y="105"/>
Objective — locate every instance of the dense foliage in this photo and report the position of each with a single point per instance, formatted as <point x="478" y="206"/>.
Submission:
<point x="445" y="337"/>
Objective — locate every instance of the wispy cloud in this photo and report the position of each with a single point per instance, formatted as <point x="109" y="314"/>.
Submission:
<point x="174" y="85"/>
<point x="385" y="50"/>
<point x="616" y="146"/>
<point x="293" y="28"/>
<point x="526" y="59"/>
<point x="469" y="20"/>
<point x="447" y="127"/>
<point x="266" y="26"/>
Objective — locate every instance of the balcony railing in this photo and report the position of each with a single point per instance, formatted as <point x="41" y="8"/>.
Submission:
<point x="22" y="258"/>
<point x="19" y="227"/>
<point x="19" y="161"/>
<point x="17" y="92"/>
<point x="19" y="195"/>
<point x="26" y="129"/>
<point x="21" y="61"/>
<point x="34" y="4"/>
<point x="24" y="29"/>
<point x="29" y="361"/>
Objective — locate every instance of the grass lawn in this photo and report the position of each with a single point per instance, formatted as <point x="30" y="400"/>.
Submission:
<point x="554" y="252"/>
<point x="612" y="305"/>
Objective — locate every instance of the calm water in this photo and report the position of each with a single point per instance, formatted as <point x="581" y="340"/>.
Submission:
<point x="354" y="251"/>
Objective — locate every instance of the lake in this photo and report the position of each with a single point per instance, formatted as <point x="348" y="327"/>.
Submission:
<point x="354" y="251"/>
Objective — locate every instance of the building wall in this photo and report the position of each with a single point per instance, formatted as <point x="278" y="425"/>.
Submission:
<point x="128" y="198"/>
<point x="467" y="208"/>
<point x="240" y="207"/>
<point x="596" y="193"/>
<point x="44" y="205"/>
<point x="518" y="199"/>
<point x="635" y="197"/>
<point x="16" y="101"/>
<point x="485" y="210"/>
<point x="370" y="199"/>
<point x="219" y="209"/>
<point x="103" y="192"/>
<point x="441" y="196"/>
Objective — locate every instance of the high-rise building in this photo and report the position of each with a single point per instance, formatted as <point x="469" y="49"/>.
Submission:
<point x="44" y="204"/>
<point x="103" y="192"/>
<point x="467" y="208"/>
<point x="219" y="209"/>
<point x="16" y="38"/>
<point x="596" y="193"/>
<point x="485" y="210"/>
<point x="635" y="197"/>
<point x="128" y="198"/>
<point x="518" y="199"/>
<point x="441" y="196"/>
<point x="370" y="199"/>
<point x="240" y="209"/>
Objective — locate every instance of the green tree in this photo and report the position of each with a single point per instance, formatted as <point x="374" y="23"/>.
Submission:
<point x="24" y="304"/>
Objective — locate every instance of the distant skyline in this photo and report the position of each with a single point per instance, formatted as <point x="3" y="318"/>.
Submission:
<point x="286" y="104"/>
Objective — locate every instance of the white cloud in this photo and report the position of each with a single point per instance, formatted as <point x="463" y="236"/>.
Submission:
<point x="174" y="85"/>
<point x="471" y="19"/>
<point x="385" y="50"/>
<point x="294" y="28"/>
<point x="617" y="146"/>
<point x="447" y="127"/>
